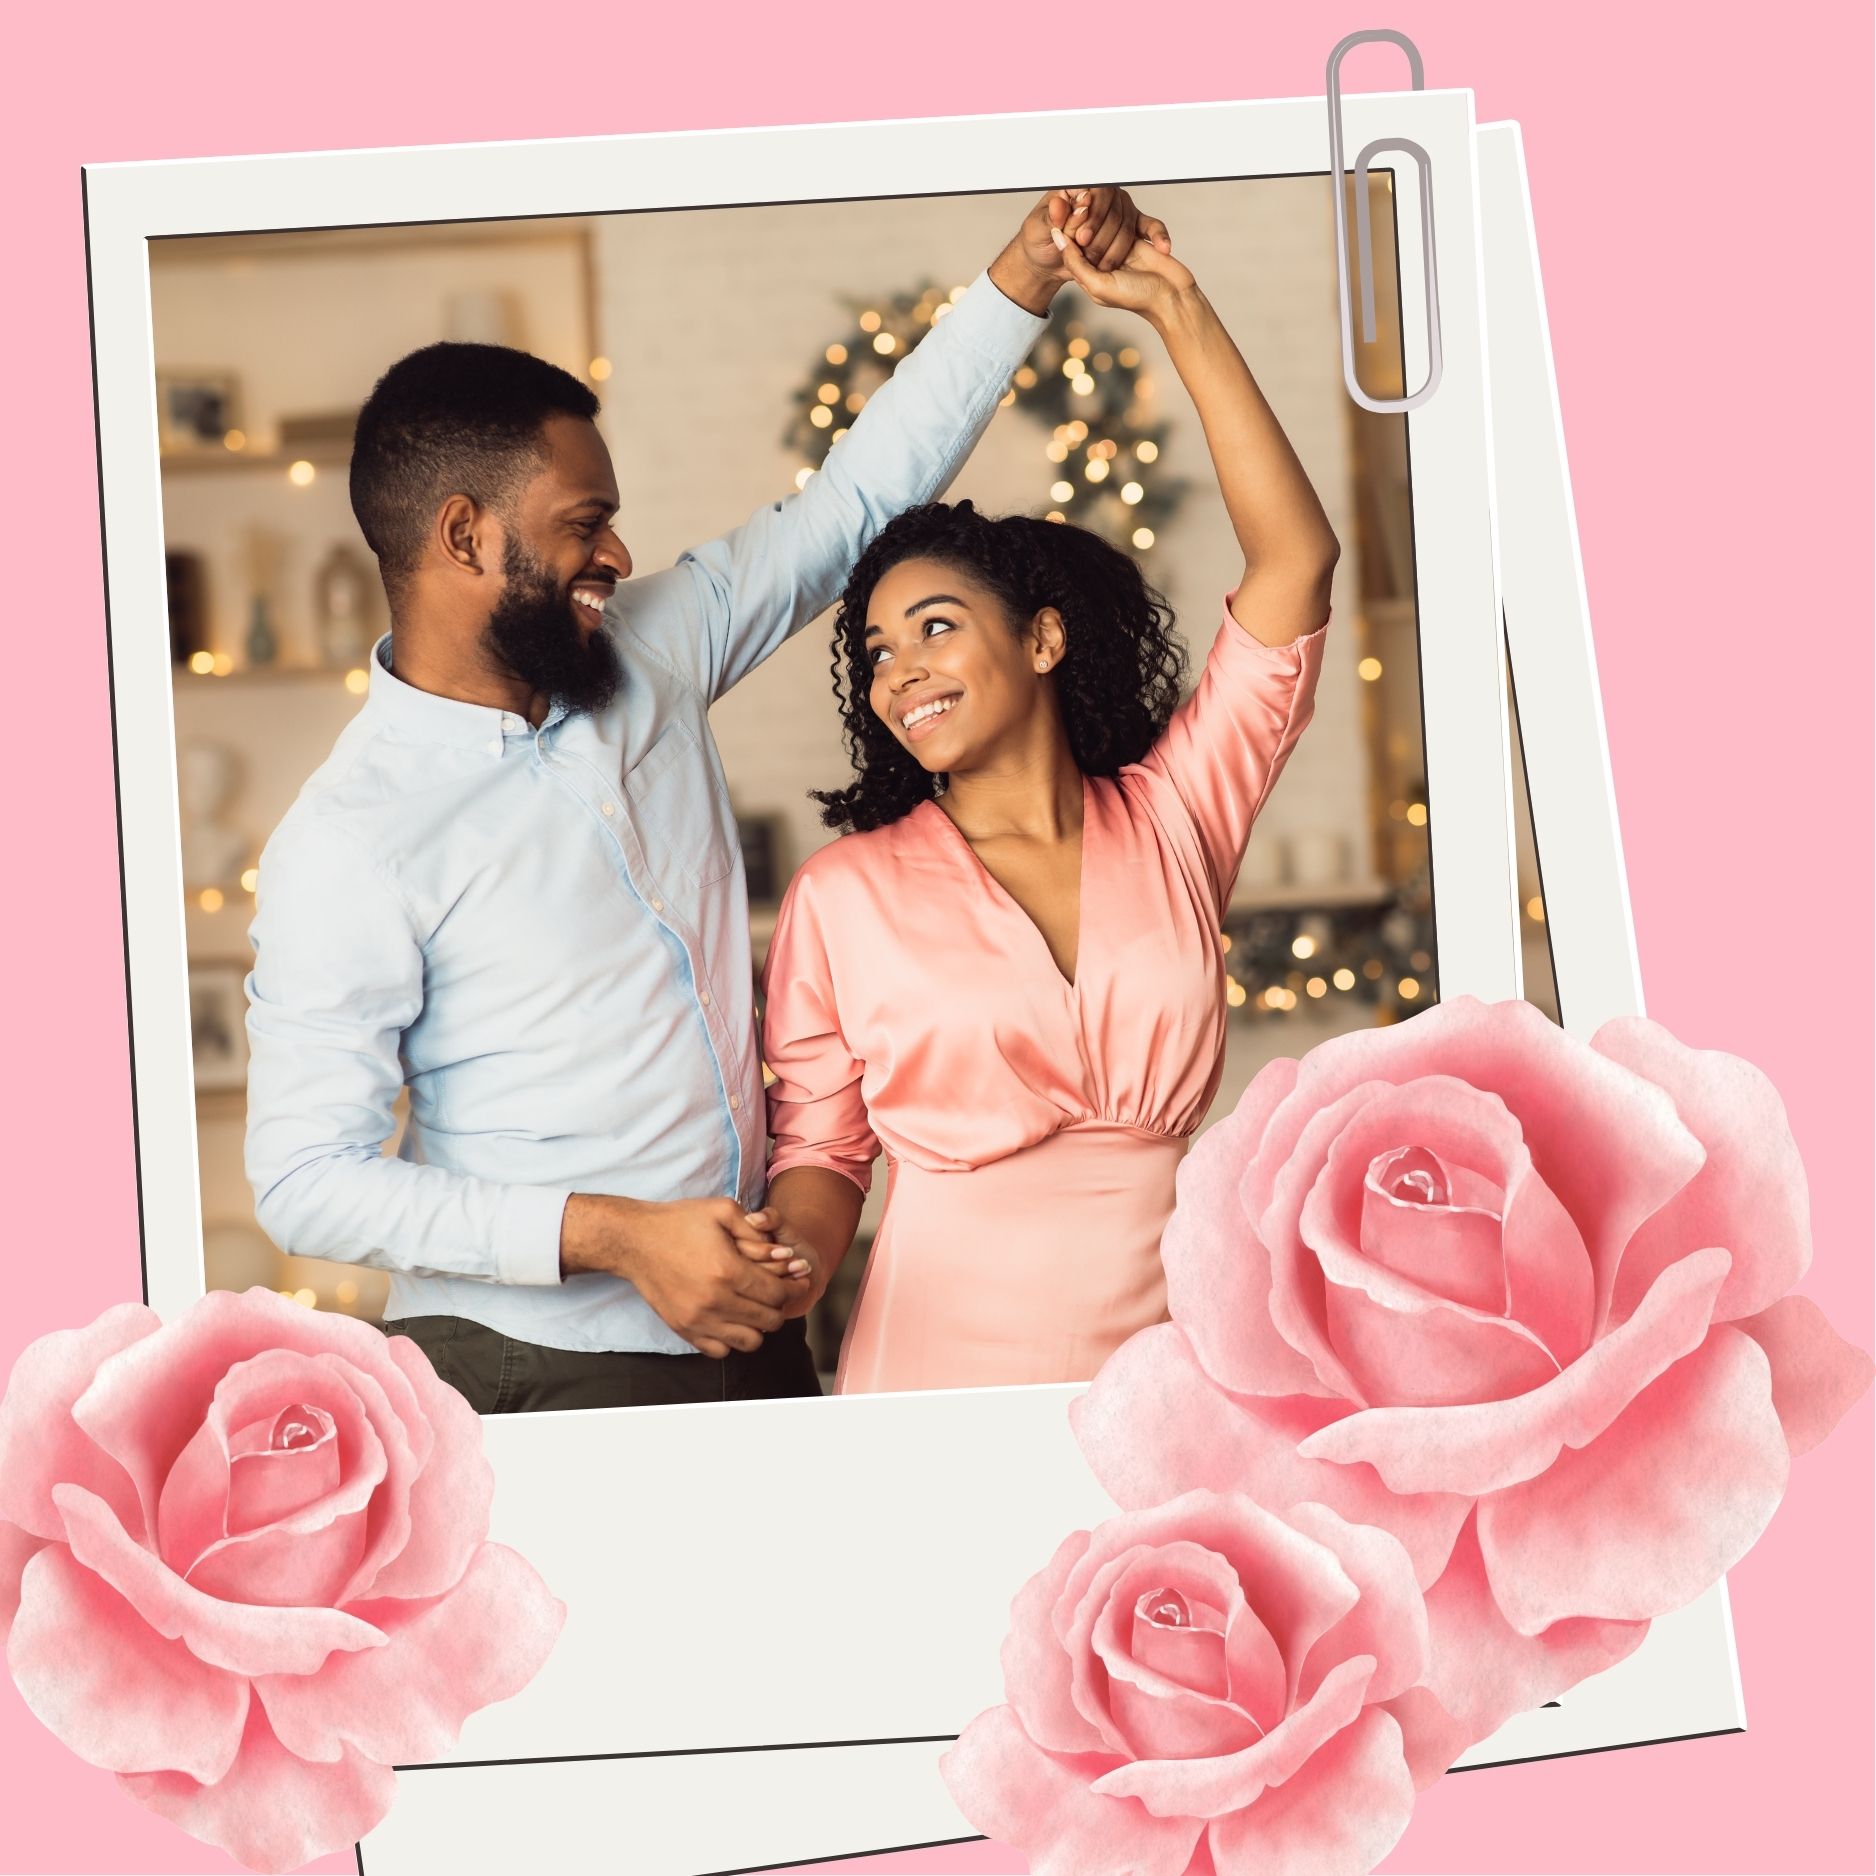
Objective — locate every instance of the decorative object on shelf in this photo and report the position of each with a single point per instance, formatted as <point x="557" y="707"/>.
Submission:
<point x="185" y="581"/>
<point x="324" y="433"/>
<point x="218" y="1033"/>
<point x="263" y="647"/>
<point x="342" y="589"/>
<point x="1101" y="464"/>
<point x="1318" y="856"/>
<point x="213" y="853"/>
<point x="197" y="412"/>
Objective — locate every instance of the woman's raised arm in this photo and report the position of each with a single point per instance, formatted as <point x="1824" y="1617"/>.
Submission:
<point x="1290" y="550"/>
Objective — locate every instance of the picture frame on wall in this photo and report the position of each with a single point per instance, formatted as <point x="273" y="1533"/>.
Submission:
<point x="196" y="411"/>
<point x="218" y="1036"/>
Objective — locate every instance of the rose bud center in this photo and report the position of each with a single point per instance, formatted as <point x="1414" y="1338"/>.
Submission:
<point x="1165" y="1608"/>
<point x="1415" y="1175"/>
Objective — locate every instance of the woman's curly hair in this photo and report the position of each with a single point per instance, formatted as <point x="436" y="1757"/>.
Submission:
<point x="1117" y="686"/>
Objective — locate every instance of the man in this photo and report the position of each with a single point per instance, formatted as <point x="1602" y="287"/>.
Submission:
<point x="514" y="888"/>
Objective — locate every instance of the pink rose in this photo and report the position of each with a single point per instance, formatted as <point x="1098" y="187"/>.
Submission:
<point x="243" y="1565"/>
<point x="1204" y="1686"/>
<point x="1517" y="1298"/>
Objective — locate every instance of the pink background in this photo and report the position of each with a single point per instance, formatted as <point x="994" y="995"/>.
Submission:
<point x="1712" y="326"/>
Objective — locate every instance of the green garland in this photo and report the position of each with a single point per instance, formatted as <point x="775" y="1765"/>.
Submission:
<point x="1086" y="388"/>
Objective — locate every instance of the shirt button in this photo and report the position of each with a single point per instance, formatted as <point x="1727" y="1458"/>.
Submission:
<point x="736" y="1101"/>
<point x="605" y="808"/>
<point x="657" y="905"/>
<point x="495" y="748"/>
<point x="704" y="999"/>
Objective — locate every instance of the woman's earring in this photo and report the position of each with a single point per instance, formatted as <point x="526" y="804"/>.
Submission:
<point x="1042" y="664"/>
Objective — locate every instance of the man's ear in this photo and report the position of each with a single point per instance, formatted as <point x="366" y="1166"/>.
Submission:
<point x="464" y="535"/>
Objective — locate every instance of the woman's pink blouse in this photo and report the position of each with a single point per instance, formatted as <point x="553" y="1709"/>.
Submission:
<point x="910" y="1001"/>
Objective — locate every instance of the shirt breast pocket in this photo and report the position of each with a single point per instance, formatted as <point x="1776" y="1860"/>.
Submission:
<point x="675" y="803"/>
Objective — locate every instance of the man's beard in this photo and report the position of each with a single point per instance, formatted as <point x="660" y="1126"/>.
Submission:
<point x="534" y="634"/>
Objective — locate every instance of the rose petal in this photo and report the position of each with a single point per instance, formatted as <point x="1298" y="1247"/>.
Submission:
<point x="1608" y="1143"/>
<point x="1274" y="1196"/>
<point x="1451" y="1249"/>
<point x="1491" y="1446"/>
<point x="17" y="1549"/>
<point x="1035" y="1666"/>
<point x="448" y="1510"/>
<point x="1339" y="1816"/>
<point x="1256" y="1678"/>
<point x="1155" y="1715"/>
<point x="1217" y="1787"/>
<point x="272" y="1811"/>
<point x="1217" y="1270"/>
<point x="1153" y="1425"/>
<point x="1751" y="1194"/>
<point x="1299" y="1586"/>
<point x="145" y="1403"/>
<point x="1483" y="1671"/>
<point x="1431" y="1738"/>
<point x="1817" y="1377"/>
<point x="116" y="1693"/>
<point x="1389" y="1621"/>
<point x="1651" y="1514"/>
<point x="443" y="1660"/>
<point x="40" y="1443"/>
<point x="1409" y="1349"/>
<point x="232" y="1635"/>
<point x="1014" y="1792"/>
<point x="308" y="1554"/>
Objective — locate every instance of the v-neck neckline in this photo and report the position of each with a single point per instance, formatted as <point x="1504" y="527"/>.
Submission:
<point x="1072" y="985"/>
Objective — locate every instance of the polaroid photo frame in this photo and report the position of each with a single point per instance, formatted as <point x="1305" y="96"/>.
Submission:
<point x="735" y="1813"/>
<point x="689" y="1641"/>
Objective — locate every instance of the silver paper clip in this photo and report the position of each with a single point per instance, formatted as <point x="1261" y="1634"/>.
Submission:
<point x="1364" y="234"/>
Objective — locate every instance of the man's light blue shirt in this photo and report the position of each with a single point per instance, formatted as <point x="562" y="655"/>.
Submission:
<point x="544" y="934"/>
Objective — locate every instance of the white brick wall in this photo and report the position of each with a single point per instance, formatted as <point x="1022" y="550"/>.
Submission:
<point x="712" y="318"/>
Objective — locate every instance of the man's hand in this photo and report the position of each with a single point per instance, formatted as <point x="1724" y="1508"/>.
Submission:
<point x="771" y="1242"/>
<point x="1104" y="225"/>
<point x="687" y="1263"/>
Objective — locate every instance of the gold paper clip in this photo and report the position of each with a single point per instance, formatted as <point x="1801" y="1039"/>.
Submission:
<point x="1363" y="232"/>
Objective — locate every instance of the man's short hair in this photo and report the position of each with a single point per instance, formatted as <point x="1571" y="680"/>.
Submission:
<point x="451" y="419"/>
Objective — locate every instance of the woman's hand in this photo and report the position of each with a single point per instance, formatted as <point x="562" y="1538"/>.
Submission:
<point x="1149" y="281"/>
<point x="766" y="1238"/>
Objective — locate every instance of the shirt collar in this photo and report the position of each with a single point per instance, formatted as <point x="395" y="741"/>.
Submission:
<point x="423" y="716"/>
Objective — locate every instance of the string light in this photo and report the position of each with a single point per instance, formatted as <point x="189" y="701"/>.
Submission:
<point x="829" y="394"/>
<point x="1303" y="945"/>
<point x="1131" y="493"/>
<point x="1344" y="979"/>
<point x="221" y="664"/>
<point x="869" y="322"/>
<point x="347" y="1292"/>
<point x="1129" y="356"/>
<point x="1368" y="670"/>
<point x="1025" y="378"/>
<point x="1417" y="813"/>
<point x="885" y="343"/>
<point x="836" y="354"/>
<point x="1534" y="909"/>
<point x="1056" y="451"/>
<point x="307" y="1299"/>
<point x="357" y="683"/>
<point x="801" y="477"/>
<point x="251" y="879"/>
<point x="1317" y="986"/>
<point x="235" y="440"/>
<point x="1235" y="993"/>
<point x="202" y="663"/>
<point x="1143" y="538"/>
<point x="599" y="370"/>
<point x="1410" y="988"/>
<point x="1096" y="471"/>
<point x="821" y="417"/>
<point x="210" y="899"/>
<point x="301" y="474"/>
<point x="1062" y="491"/>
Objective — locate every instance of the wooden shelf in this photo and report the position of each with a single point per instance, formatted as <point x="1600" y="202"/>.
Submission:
<point x="327" y="674"/>
<point x="253" y="462"/>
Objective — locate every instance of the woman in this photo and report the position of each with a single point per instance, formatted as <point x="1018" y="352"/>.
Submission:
<point x="1008" y="972"/>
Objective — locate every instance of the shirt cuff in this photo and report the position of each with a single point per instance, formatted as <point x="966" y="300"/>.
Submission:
<point x="987" y="319"/>
<point x="527" y="1235"/>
